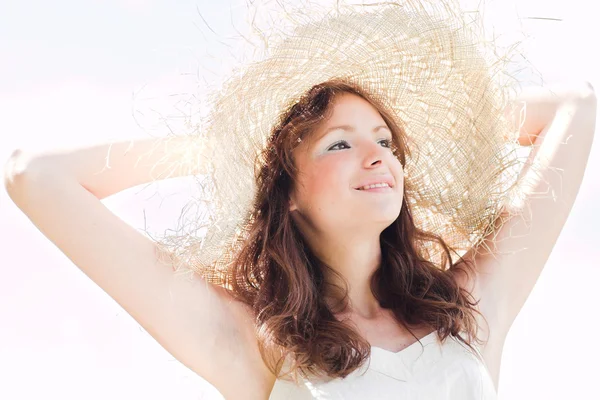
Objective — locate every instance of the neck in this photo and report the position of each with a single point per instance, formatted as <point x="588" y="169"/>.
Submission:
<point x="355" y="259"/>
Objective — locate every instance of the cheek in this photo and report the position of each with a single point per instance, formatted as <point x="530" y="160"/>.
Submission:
<point x="331" y="177"/>
<point x="326" y="182"/>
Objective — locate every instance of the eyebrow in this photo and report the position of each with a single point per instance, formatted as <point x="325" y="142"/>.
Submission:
<point x="349" y="128"/>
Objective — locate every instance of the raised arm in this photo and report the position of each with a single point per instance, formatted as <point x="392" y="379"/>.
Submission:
<point x="108" y="168"/>
<point x="196" y="322"/>
<point x="560" y="122"/>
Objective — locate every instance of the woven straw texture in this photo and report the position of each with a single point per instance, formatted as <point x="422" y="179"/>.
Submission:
<point x="424" y="61"/>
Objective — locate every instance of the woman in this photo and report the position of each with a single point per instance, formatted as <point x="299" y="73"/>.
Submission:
<point x="343" y="229"/>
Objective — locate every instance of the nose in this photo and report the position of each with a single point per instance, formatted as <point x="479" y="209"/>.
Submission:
<point x="373" y="154"/>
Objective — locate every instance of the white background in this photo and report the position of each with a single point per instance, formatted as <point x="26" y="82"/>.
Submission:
<point x="69" y="73"/>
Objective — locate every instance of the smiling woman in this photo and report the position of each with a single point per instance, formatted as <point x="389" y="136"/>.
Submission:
<point x="347" y="181"/>
<point x="332" y="267"/>
<point x="329" y="170"/>
<point x="355" y="239"/>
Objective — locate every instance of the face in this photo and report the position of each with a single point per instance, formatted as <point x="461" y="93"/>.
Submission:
<point x="333" y="162"/>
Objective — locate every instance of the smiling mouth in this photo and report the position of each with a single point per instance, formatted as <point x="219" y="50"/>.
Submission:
<point x="387" y="186"/>
<point x="376" y="189"/>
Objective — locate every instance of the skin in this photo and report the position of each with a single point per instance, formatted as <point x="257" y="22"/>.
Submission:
<point x="341" y="224"/>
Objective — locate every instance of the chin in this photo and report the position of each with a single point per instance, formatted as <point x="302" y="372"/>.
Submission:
<point x="381" y="221"/>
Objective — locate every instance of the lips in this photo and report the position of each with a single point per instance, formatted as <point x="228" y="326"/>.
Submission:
<point x="374" y="180"/>
<point x="383" y="185"/>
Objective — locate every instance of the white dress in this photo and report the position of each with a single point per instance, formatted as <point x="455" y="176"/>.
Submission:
<point x="429" y="370"/>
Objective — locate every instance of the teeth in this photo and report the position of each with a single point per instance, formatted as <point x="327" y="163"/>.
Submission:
<point x="376" y="185"/>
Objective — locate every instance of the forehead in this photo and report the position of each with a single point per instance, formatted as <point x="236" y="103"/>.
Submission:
<point x="349" y="103"/>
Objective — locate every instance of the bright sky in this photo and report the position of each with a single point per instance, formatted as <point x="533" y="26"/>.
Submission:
<point x="69" y="73"/>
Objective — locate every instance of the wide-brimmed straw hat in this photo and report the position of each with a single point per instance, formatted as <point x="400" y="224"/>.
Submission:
<point x="426" y="62"/>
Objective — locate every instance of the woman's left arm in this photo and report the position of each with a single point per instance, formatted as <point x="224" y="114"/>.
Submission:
<point x="559" y="121"/>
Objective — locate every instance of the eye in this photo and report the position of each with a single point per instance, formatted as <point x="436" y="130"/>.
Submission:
<point x="388" y="142"/>
<point x="339" y="143"/>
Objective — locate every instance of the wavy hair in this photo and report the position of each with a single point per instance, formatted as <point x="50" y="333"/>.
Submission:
<point x="275" y="272"/>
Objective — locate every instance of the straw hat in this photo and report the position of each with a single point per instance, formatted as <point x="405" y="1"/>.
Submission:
<point x="423" y="60"/>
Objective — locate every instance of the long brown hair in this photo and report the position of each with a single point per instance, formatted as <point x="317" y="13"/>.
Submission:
<point x="275" y="272"/>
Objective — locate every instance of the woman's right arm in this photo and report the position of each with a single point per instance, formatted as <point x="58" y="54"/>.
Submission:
<point x="196" y="322"/>
<point x="108" y="168"/>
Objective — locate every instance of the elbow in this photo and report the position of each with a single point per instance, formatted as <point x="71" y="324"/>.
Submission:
<point x="587" y="93"/>
<point x="585" y="104"/>
<point x="14" y="167"/>
<point x="589" y="103"/>
<point x="14" y="172"/>
<point x="17" y="168"/>
<point x="590" y="88"/>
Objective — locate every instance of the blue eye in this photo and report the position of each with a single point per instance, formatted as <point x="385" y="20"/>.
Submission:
<point x="388" y="144"/>
<point x="338" y="143"/>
